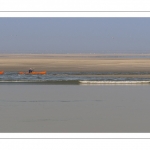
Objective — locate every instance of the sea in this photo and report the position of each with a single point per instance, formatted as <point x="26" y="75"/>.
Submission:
<point x="75" y="102"/>
<point x="75" y="78"/>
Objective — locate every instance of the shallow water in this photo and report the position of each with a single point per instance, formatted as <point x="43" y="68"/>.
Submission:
<point x="76" y="78"/>
<point x="74" y="108"/>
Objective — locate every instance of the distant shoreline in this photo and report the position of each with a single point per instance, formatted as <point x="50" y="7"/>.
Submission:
<point x="77" y="54"/>
<point x="76" y="62"/>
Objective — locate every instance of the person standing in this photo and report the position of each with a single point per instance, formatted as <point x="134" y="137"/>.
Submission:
<point x="30" y="70"/>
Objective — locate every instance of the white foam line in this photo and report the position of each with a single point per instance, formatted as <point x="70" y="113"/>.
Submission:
<point x="115" y="82"/>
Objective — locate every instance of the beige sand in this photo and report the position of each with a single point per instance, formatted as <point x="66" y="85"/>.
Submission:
<point x="54" y="62"/>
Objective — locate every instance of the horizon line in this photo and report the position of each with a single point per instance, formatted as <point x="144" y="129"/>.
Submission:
<point x="75" y="53"/>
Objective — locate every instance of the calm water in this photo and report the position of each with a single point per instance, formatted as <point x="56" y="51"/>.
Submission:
<point x="74" y="108"/>
<point x="60" y="102"/>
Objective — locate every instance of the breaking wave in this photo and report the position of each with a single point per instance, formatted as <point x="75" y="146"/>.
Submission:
<point x="114" y="82"/>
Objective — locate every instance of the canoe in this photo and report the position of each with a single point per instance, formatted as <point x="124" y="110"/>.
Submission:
<point x="1" y="72"/>
<point x="34" y="73"/>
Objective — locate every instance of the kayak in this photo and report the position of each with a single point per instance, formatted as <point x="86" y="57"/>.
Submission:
<point x="34" y="73"/>
<point x="1" y="72"/>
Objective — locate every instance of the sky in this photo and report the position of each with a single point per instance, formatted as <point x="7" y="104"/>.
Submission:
<point x="74" y="35"/>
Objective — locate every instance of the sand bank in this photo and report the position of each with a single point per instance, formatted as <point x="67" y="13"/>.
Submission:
<point x="56" y="62"/>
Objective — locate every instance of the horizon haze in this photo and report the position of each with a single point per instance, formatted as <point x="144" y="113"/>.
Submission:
<point x="74" y="35"/>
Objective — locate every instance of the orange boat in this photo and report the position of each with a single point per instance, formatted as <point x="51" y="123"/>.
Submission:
<point x="1" y="72"/>
<point x="34" y="73"/>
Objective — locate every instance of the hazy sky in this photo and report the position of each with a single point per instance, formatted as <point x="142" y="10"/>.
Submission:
<point x="75" y="35"/>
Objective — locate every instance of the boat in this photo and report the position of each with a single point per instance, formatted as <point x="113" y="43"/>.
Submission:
<point x="34" y="73"/>
<point x="1" y="72"/>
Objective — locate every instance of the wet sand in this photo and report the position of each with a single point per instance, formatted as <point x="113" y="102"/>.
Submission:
<point x="68" y="62"/>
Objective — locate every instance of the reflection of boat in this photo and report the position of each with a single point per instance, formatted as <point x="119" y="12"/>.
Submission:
<point x="34" y="72"/>
<point x="1" y="72"/>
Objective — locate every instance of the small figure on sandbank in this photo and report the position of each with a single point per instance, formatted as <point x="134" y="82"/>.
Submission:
<point x="30" y="70"/>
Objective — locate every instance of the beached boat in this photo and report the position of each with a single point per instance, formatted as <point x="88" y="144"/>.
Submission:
<point x="1" y="72"/>
<point x="34" y="73"/>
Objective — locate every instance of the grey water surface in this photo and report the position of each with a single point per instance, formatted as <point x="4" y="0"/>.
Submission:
<point x="74" y="108"/>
